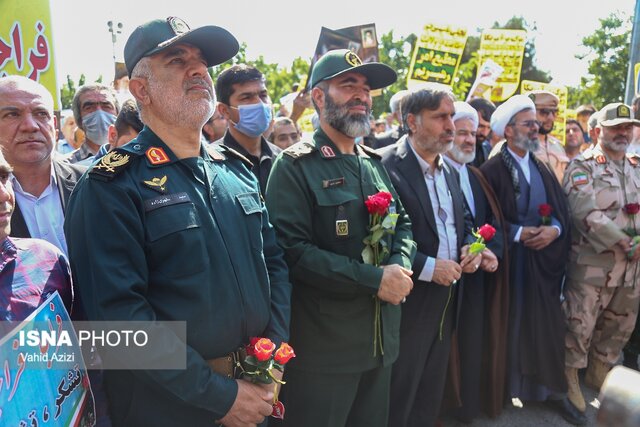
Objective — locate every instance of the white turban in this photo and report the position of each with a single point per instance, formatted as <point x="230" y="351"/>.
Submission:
<point x="465" y="111"/>
<point x="507" y="110"/>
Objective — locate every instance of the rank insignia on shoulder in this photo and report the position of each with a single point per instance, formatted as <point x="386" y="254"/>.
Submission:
<point x="327" y="152"/>
<point x="157" y="156"/>
<point x="579" y="178"/>
<point x="111" y="164"/>
<point x="633" y="159"/>
<point x="157" y="184"/>
<point x="601" y="160"/>
<point x="299" y="149"/>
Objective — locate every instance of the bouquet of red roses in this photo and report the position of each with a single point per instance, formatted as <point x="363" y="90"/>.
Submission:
<point x="382" y="223"/>
<point x="262" y="357"/>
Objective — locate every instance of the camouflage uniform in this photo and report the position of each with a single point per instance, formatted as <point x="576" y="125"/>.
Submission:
<point x="552" y="154"/>
<point x="601" y="293"/>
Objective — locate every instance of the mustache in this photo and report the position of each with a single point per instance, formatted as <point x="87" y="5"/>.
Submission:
<point x="199" y="82"/>
<point x="356" y="103"/>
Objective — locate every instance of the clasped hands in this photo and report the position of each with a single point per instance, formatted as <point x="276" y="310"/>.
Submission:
<point x="537" y="238"/>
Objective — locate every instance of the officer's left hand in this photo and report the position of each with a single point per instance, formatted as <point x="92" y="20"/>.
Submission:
<point x="546" y="235"/>
<point x="469" y="263"/>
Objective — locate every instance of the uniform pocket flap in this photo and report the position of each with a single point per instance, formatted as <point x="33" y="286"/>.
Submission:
<point x="333" y="196"/>
<point x="250" y="202"/>
<point x="171" y="219"/>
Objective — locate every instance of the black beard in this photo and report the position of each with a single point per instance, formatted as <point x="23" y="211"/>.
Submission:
<point x="543" y="131"/>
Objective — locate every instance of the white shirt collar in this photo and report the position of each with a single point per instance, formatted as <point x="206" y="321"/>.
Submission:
<point x="53" y="182"/>
<point x="519" y="159"/>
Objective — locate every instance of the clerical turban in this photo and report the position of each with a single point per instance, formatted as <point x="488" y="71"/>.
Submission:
<point x="465" y="111"/>
<point x="507" y="110"/>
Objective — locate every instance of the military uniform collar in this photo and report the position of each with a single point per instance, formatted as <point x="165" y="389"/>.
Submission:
<point x="329" y="151"/>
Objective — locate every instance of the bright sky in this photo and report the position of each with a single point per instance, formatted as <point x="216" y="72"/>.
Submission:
<point x="281" y="30"/>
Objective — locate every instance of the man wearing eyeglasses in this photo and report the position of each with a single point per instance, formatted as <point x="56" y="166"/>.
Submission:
<point x="551" y="151"/>
<point x="538" y="256"/>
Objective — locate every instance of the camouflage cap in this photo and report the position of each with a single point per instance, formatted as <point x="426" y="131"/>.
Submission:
<point x="616" y="114"/>
<point x="217" y="44"/>
<point x="340" y="61"/>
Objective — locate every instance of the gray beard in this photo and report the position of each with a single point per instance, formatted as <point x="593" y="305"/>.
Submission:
<point x="461" y="157"/>
<point x="616" y="146"/>
<point x="339" y="118"/>
<point x="527" y="144"/>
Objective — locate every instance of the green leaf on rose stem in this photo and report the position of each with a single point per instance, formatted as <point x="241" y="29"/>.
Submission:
<point x="375" y="228"/>
<point x="367" y="255"/>
<point x="476" y="248"/>
<point x="385" y="252"/>
<point x="251" y="362"/>
<point x="264" y="378"/>
<point x="636" y="239"/>
<point x="377" y="235"/>
<point x="390" y="221"/>
<point x="475" y="233"/>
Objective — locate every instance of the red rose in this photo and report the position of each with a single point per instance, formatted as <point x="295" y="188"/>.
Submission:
<point x="632" y="208"/>
<point x="487" y="232"/>
<point x="545" y="209"/>
<point x="378" y="203"/>
<point x="251" y="349"/>
<point x="284" y="354"/>
<point x="264" y="349"/>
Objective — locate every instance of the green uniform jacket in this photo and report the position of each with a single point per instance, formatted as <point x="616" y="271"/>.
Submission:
<point x="311" y="187"/>
<point x="183" y="240"/>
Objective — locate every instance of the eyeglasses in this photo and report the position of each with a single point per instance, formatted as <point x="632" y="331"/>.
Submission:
<point x="527" y="123"/>
<point x="547" y="111"/>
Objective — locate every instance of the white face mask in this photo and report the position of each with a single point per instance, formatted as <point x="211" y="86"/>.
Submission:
<point x="96" y="126"/>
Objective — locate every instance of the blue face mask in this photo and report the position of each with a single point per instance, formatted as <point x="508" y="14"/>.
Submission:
<point x="254" y="119"/>
<point x="96" y="126"/>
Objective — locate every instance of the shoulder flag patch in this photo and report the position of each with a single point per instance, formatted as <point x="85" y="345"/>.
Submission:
<point x="579" y="178"/>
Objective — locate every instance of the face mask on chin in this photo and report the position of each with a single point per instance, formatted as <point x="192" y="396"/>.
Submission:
<point x="96" y="126"/>
<point x="254" y="119"/>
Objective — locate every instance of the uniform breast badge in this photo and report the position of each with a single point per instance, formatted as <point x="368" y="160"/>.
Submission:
<point x="157" y="184"/>
<point x="342" y="228"/>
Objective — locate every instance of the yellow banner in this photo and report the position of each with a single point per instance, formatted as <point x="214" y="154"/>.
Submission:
<point x="506" y="48"/>
<point x="561" y="92"/>
<point x="636" y="73"/>
<point x="437" y="55"/>
<point x="26" y="43"/>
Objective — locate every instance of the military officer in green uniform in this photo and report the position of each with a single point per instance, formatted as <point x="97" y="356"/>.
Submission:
<point x="315" y="196"/>
<point x="166" y="229"/>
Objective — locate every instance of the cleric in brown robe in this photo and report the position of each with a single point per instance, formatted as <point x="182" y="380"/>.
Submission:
<point x="539" y="254"/>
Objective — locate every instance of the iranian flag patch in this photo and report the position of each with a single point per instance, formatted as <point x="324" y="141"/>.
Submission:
<point x="579" y="178"/>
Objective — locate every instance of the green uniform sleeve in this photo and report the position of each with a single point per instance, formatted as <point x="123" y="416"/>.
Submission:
<point x="109" y="265"/>
<point x="589" y="219"/>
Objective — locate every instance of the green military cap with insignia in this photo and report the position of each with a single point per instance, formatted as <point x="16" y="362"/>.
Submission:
<point x="340" y="61"/>
<point x="615" y="114"/>
<point x="217" y="44"/>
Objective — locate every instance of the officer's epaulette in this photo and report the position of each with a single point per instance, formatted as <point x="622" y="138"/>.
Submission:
<point x="634" y="159"/>
<point x="300" y="149"/>
<point x="370" y="151"/>
<point x="585" y="155"/>
<point x="233" y="153"/>
<point x="112" y="164"/>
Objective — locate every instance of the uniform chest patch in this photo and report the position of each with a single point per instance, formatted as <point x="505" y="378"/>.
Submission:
<point x="330" y="183"/>
<point x="168" y="200"/>
<point x="157" y="184"/>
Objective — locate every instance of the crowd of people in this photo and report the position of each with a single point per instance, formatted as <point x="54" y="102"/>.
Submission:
<point x="188" y="201"/>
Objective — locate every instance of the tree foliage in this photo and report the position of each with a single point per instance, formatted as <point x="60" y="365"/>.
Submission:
<point x="608" y="55"/>
<point x="69" y="89"/>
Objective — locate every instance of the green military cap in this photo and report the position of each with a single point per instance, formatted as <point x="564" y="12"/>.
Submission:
<point x="615" y="114"/>
<point x="217" y="44"/>
<point x="340" y="61"/>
